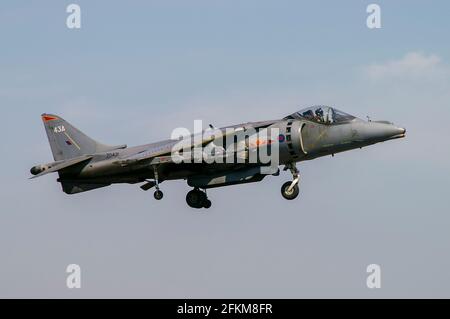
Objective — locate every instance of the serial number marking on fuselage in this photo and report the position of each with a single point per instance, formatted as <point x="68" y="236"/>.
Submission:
<point x="111" y="155"/>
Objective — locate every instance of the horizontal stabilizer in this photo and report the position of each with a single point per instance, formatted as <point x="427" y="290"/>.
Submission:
<point x="57" y="166"/>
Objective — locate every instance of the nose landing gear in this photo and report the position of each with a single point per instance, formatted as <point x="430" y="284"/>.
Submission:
<point x="158" y="194"/>
<point x="198" y="199"/>
<point x="290" y="190"/>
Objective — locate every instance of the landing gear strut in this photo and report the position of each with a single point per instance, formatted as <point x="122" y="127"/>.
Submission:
<point x="290" y="190"/>
<point x="158" y="194"/>
<point x="198" y="199"/>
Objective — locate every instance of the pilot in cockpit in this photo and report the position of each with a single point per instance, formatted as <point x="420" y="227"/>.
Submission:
<point x="319" y="115"/>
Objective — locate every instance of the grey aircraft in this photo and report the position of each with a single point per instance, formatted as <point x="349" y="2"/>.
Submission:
<point x="84" y="164"/>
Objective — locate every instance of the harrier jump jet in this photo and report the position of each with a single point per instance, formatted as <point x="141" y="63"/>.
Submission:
<point x="84" y="164"/>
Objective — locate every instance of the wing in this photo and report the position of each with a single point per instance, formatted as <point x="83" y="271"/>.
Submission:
<point x="162" y="153"/>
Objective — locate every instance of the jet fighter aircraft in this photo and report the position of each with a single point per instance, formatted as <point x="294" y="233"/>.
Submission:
<point x="84" y="164"/>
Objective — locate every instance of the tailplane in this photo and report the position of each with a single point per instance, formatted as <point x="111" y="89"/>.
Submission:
<point x="67" y="142"/>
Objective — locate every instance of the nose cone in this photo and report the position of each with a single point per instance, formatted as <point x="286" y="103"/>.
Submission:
<point x="394" y="132"/>
<point x="382" y="131"/>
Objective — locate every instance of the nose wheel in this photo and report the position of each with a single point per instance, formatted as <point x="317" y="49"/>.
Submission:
<point x="198" y="199"/>
<point x="290" y="190"/>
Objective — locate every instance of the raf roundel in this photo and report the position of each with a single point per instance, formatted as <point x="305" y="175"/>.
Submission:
<point x="281" y="138"/>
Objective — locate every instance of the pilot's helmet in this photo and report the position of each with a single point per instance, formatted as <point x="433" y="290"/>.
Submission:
<point x="319" y="112"/>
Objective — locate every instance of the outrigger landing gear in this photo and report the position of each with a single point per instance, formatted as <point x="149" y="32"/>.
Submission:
<point x="198" y="199"/>
<point x="290" y="190"/>
<point x="158" y="194"/>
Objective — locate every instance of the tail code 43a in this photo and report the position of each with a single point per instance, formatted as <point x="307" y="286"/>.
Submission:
<point x="59" y="129"/>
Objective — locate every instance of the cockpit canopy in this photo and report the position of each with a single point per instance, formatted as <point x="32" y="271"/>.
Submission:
<point x="322" y="114"/>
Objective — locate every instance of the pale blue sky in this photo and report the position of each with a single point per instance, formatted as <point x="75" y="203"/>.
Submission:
<point x="138" y="69"/>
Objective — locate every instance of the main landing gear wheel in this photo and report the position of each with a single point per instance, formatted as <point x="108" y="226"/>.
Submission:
<point x="158" y="195"/>
<point x="197" y="199"/>
<point x="289" y="192"/>
<point x="207" y="204"/>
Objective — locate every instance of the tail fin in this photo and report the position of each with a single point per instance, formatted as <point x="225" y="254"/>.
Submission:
<point x="68" y="142"/>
